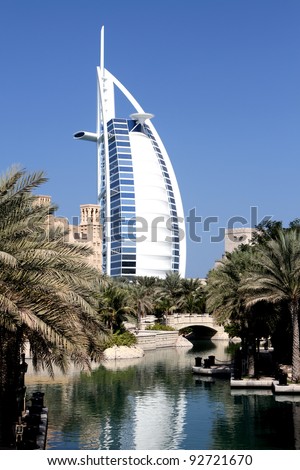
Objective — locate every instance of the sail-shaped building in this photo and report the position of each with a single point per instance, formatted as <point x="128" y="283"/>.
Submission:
<point x="141" y="207"/>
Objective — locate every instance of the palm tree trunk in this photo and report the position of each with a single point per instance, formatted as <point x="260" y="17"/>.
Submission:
<point x="296" y="422"/>
<point x="10" y="389"/>
<point x="294" y="309"/>
<point x="251" y="359"/>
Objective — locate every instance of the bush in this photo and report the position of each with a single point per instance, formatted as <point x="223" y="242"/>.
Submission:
<point x="121" y="339"/>
<point x="160" y="327"/>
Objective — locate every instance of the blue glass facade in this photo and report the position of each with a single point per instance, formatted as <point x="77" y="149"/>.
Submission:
<point x="122" y="199"/>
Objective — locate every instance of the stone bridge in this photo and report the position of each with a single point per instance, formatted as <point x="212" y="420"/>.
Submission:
<point x="185" y="320"/>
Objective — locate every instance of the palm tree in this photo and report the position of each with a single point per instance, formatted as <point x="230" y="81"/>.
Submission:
<point x="275" y="278"/>
<point x="141" y="299"/>
<point x="150" y="282"/>
<point x="114" y="306"/>
<point x="193" y="295"/>
<point x="47" y="289"/>
<point x="226" y="303"/>
<point x="170" y="293"/>
<point x="223" y="298"/>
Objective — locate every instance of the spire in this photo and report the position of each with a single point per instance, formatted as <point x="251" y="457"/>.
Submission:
<point x="102" y="50"/>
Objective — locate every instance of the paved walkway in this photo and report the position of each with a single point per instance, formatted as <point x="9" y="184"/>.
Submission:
<point x="267" y="383"/>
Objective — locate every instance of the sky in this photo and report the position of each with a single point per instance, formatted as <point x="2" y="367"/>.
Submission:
<point x="222" y="78"/>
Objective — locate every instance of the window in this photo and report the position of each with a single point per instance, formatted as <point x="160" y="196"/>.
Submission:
<point x="112" y="154"/>
<point x="116" y="122"/>
<point x="127" y="176"/>
<point x="128" y="271"/>
<point x="128" y="244"/>
<point x="128" y="195"/>
<point x="114" y="177"/>
<point x="126" y="156"/>
<point x="128" y="249"/>
<point x="126" y="168"/>
<point x="129" y="257"/>
<point x="129" y="202"/>
<point x="113" y="160"/>
<point x="115" y="197"/>
<point x="123" y="144"/>
<point x="127" y="181"/>
<point x="115" y="246"/>
<point x="115" y="204"/>
<point x="128" y="264"/>
<point x="115" y="258"/>
<point x="121" y="131"/>
<point x="112" y="145"/>
<point x="113" y="171"/>
<point x="127" y="209"/>
<point x="114" y="184"/>
<point x="126" y="189"/>
<point x="116" y="272"/>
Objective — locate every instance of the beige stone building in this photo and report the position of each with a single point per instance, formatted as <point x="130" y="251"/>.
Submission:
<point x="88" y="231"/>
<point x="235" y="237"/>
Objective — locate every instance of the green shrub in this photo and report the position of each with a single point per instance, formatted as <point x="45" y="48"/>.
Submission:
<point x="160" y="327"/>
<point x="121" y="339"/>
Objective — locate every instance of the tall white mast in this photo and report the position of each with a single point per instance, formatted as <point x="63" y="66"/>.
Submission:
<point x="103" y="153"/>
<point x="102" y="50"/>
<point x="105" y="111"/>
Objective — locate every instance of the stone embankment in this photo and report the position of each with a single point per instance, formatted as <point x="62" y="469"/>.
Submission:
<point x="147" y="340"/>
<point x="123" y="352"/>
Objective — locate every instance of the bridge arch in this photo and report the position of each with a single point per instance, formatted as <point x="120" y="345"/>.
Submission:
<point x="202" y="323"/>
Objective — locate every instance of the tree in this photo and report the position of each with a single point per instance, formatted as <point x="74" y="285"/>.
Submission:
<point x="141" y="299"/>
<point x="169" y="297"/>
<point x="193" y="296"/>
<point x="47" y="290"/>
<point x="275" y="278"/>
<point x="226" y="303"/>
<point x="114" y="306"/>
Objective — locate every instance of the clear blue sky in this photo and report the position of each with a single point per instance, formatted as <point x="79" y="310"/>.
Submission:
<point x="221" y="76"/>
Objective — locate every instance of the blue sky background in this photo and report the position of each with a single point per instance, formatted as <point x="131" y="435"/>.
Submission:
<point x="221" y="76"/>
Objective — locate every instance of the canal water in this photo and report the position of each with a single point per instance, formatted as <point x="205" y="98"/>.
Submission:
<point x="156" y="403"/>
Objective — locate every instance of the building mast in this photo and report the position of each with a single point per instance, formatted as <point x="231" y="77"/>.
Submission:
<point x="104" y="108"/>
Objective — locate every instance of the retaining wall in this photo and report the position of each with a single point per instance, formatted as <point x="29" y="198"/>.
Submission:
<point x="156" y="339"/>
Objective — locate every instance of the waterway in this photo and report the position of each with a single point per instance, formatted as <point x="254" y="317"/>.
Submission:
<point x="156" y="403"/>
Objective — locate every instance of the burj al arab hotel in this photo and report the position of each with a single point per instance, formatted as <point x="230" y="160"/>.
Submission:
<point x="140" y="203"/>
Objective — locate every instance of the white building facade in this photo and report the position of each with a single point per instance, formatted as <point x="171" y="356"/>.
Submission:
<point x="140" y="204"/>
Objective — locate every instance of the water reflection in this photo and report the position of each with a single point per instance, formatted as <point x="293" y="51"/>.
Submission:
<point x="157" y="403"/>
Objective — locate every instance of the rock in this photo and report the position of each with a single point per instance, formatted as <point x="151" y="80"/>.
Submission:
<point x="182" y="342"/>
<point x="123" y="352"/>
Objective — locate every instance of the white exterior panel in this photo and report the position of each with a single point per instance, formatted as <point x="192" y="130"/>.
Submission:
<point x="153" y="250"/>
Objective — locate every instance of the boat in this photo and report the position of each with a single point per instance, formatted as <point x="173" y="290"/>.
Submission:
<point x="216" y="370"/>
<point x="210" y="368"/>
